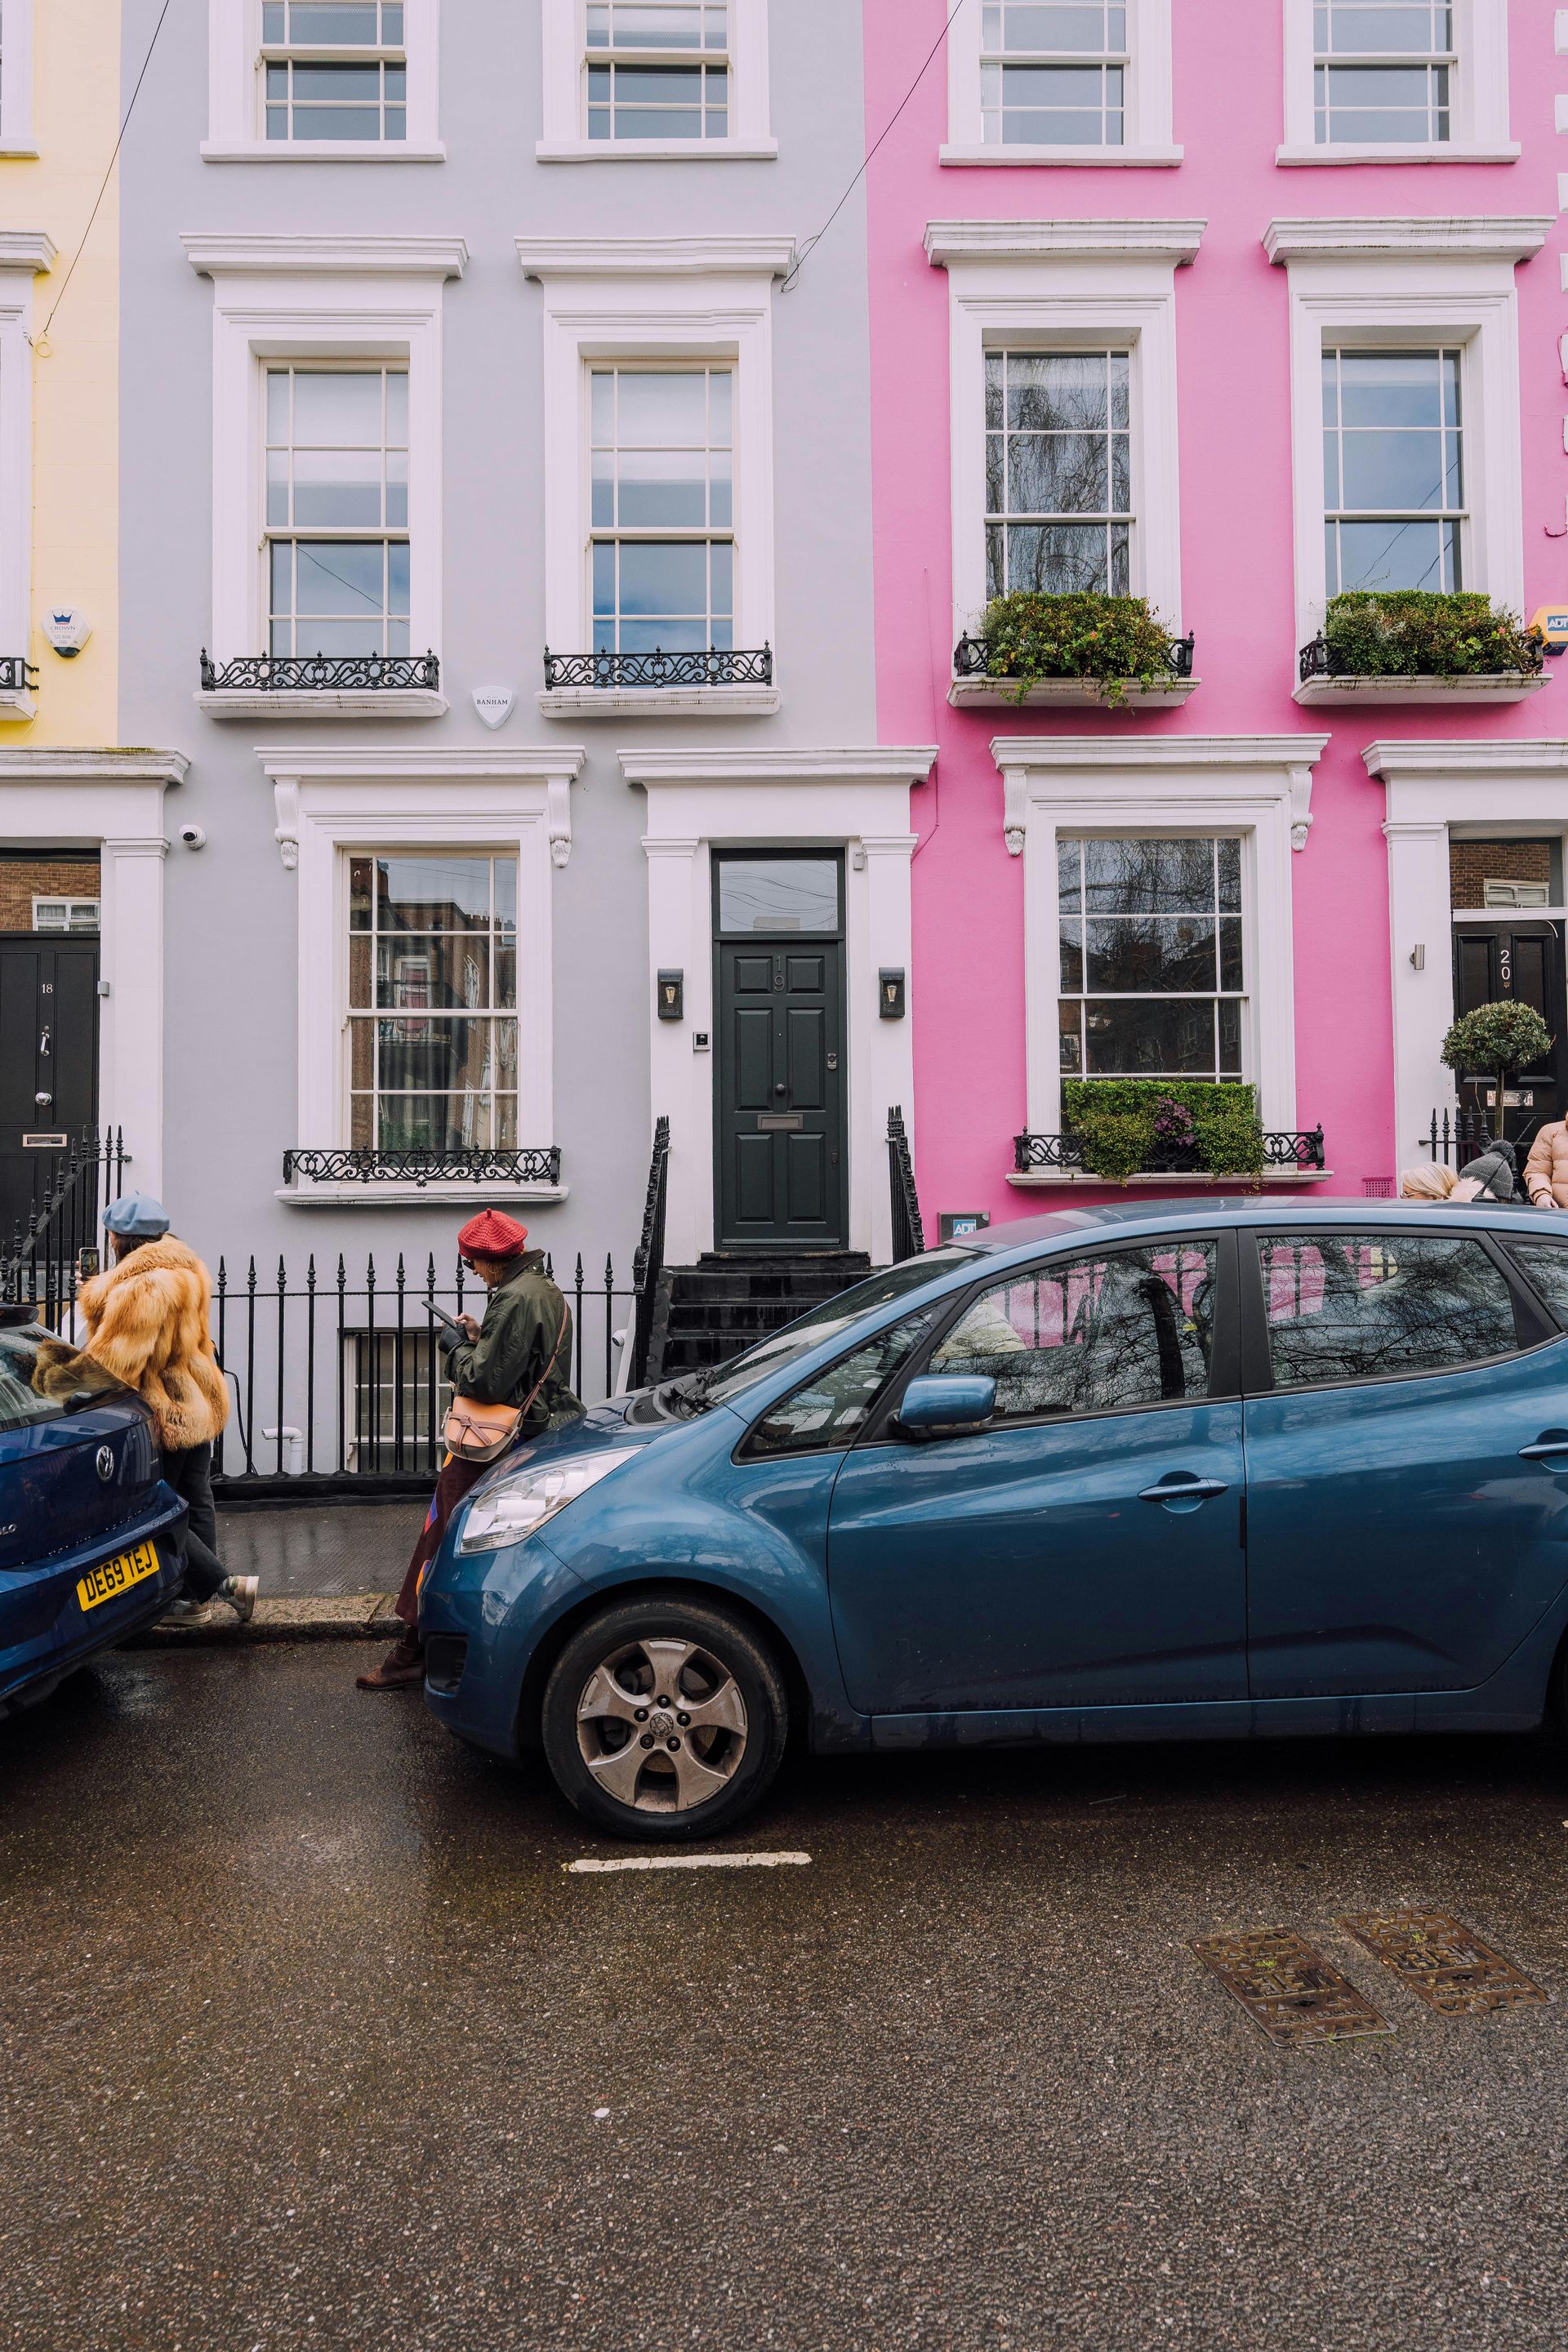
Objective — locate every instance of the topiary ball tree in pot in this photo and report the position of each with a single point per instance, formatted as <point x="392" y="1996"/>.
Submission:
<point x="1497" y="1038"/>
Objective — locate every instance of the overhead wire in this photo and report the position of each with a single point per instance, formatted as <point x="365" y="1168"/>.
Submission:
<point x="41" y="342"/>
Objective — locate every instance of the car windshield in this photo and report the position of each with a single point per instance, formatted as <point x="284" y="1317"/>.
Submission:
<point x="781" y="1349"/>
<point x="20" y="1404"/>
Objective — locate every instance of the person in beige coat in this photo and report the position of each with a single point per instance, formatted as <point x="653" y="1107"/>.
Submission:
<point x="1546" y="1169"/>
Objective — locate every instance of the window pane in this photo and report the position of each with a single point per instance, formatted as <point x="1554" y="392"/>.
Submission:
<point x="778" y="894"/>
<point x="1141" y="877"/>
<point x="1065" y="559"/>
<point x="338" y="407"/>
<point x="1355" y="1307"/>
<point x="434" y="893"/>
<point x="1058" y="473"/>
<point x="826" y="1414"/>
<point x="1381" y="29"/>
<point x="1546" y="1264"/>
<point x="1394" y="469"/>
<point x="1397" y="555"/>
<point x="1158" y="1038"/>
<point x="336" y="23"/>
<point x="1101" y="1334"/>
<point x="1057" y="392"/>
<point x="1166" y="953"/>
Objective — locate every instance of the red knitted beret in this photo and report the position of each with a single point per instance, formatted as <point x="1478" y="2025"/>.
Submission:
<point x="493" y="1234"/>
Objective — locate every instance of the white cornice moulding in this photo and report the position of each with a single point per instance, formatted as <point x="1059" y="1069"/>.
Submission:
<point x="64" y="766"/>
<point x="656" y="257"/>
<point x="308" y="762"/>
<point x="26" y="248"/>
<point x="1394" y="762"/>
<point x="1157" y="751"/>
<point x="1475" y="238"/>
<point x="1175" y="241"/>
<point x="731" y="766"/>
<point x="293" y="256"/>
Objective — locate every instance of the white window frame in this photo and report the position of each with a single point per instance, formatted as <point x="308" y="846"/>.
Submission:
<point x="1478" y="96"/>
<point x="67" y="928"/>
<point x="1257" y="788"/>
<point x="1068" y="286"/>
<point x="235" y="123"/>
<point x="303" y="299"/>
<point x="565" y="139"/>
<point x="333" y="804"/>
<point x="623" y="299"/>
<point x="24" y="253"/>
<point x="1147" y="133"/>
<point x="1425" y="285"/>
<point x="16" y="132"/>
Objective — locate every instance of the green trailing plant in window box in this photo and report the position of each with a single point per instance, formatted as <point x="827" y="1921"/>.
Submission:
<point x="1418" y="633"/>
<point x="1110" y="639"/>
<point x="1123" y="1126"/>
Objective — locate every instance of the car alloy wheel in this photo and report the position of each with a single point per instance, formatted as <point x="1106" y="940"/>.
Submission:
<point x="665" y="1717"/>
<point x="662" y="1725"/>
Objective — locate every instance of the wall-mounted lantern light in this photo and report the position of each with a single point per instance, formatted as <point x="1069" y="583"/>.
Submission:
<point x="890" y="994"/>
<point x="672" y="996"/>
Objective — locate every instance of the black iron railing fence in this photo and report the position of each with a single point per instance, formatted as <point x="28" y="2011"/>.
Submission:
<point x="648" y="1265"/>
<point x="1458" y="1135"/>
<point x="1282" y="1148"/>
<point x="40" y="1264"/>
<point x="321" y="673"/>
<point x="335" y="1379"/>
<point x="704" y="667"/>
<point x="979" y="656"/>
<point x="908" y="1232"/>
<point x="1321" y="659"/>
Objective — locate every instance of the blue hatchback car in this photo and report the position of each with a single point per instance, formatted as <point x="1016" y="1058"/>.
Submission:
<point x="1228" y="1470"/>
<point x="89" y="1536"/>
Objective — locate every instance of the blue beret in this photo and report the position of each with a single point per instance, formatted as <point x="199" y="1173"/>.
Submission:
<point x="137" y="1217"/>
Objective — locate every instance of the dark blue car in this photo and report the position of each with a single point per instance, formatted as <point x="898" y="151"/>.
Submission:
<point x="89" y="1535"/>
<point x="1240" y="1469"/>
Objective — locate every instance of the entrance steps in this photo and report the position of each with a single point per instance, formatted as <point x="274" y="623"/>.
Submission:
<point x="706" y="1313"/>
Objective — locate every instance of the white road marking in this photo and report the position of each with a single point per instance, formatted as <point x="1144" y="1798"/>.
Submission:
<point x="692" y="1862"/>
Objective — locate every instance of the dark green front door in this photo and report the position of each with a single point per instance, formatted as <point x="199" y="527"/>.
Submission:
<point x="781" y="1062"/>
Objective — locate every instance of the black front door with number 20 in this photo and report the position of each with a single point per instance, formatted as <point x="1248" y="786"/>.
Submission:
<point x="780" y="1079"/>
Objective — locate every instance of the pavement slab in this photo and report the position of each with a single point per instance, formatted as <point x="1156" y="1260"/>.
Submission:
<point x="322" y="1549"/>
<point x="309" y="2039"/>
<point x="295" y="1617"/>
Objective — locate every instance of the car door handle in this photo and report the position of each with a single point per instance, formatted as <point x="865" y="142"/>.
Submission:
<point x="1180" y="1489"/>
<point x="1546" y="1449"/>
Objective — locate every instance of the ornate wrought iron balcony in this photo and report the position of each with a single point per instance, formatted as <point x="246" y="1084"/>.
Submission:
<point x="322" y="673"/>
<point x="1284" y="1149"/>
<point x="532" y="1164"/>
<point x="973" y="658"/>
<point x="659" y="669"/>
<point x="1320" y="660"/>
<point x="17" y="675"/>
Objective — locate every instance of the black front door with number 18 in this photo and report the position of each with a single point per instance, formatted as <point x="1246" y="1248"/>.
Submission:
<point x="780" y="1078"/>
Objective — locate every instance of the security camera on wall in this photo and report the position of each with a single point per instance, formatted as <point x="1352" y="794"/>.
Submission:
<point x="68" y="631"/>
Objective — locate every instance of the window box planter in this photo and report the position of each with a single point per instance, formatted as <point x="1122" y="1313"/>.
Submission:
<point x="659" y="685"/>
<point x="1081" y="652"/>
<point x="321" y="685"/>
<point x="1413" y="646"/>
<point x="1290" y="1157"/>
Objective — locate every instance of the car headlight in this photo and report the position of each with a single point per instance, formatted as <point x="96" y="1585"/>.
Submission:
<point x="520" y="1506"/>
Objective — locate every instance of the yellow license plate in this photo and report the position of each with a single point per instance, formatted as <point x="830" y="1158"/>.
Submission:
<point x="117" y="1575"/>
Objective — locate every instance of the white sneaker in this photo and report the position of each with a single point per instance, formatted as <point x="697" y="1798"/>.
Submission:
<point x="241" y="1593"/>
<point x="181" y="1612"/>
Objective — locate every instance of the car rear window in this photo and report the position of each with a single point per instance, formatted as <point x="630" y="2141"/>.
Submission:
<point x="20" y="1403"/>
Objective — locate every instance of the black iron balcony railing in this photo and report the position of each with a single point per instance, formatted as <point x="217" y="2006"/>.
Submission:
<point x="1321" y="659"/>
<point x="659" y="669"/>
<point x="973" y="657"/>
<point x="358" y="1164"/>
<point x="1286" y="1148"/>
<point x="321" y="673"/>
<point x="17" y="675"/>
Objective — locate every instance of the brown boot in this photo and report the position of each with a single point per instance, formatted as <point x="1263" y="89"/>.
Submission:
<point x="403" y="1667"/>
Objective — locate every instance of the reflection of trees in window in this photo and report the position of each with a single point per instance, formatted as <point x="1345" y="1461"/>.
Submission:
<point x="1356" y="1307"/>
<point x="1093" y="1334"/>
<point x="1058" y="472"/>
<point x="1151" y="969"/>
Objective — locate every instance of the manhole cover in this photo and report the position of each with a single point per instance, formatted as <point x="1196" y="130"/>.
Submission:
<point x="1288" y="1989"/>
<point x="1442" y="1962"/>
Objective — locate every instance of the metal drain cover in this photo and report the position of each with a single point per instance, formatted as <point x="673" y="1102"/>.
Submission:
<point x="1441" y="1962"/>
<point x="1288" y="1989"/>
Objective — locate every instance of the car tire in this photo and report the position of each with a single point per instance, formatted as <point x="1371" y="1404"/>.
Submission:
<point x="689" y="1769"/>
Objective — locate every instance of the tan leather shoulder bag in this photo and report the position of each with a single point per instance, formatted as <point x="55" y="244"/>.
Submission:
<point x="481" y="1432"/>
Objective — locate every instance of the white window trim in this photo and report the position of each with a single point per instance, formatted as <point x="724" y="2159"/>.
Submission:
<point x="329" y="803"/>
<point x="16" y="132"/>
<point x="24" y="253"/>
<point x="1384" y="283"/>
<point x="1147" y="122"/>
<point x="283" y="298"/>
<point x="1257" y="786"/>
<point x="1434" y="789"/>
<point x="565" y="38"/>
<point x="657" y="298"/>
<point x="855" y="800"/>
<point x="233" y="100"/>
<point x="1061" y="284"/>
<point x="1480" y="119"/>
<point x="66" y="899"/>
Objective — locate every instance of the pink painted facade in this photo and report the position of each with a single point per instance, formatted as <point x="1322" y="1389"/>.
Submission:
<point x="1238" y="567"/>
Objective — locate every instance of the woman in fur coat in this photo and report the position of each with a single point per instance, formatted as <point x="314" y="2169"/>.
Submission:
<point x="147" y="1318"/>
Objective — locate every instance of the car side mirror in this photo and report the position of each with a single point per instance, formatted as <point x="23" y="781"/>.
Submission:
<point x="956" y="1407"/>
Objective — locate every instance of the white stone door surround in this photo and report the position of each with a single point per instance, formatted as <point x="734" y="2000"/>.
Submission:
<point x="111" y="804"/>
<point x="857" y="801"/>
<point x="1432" y="791"/>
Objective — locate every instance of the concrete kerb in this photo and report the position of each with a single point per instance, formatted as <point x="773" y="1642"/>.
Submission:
<point x="350" y="1617"/>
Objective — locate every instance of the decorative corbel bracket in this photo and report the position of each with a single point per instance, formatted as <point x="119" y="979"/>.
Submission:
<point x="1300" y="806"/>
<point x="286" y="805"/>
<point x="1014" y="808"/>
<point x="558" y="797"/>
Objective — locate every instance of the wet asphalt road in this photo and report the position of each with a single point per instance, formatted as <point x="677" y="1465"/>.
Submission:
<point x="303" y="2030"/>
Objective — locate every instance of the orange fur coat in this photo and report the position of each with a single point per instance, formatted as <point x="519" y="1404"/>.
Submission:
<point x="148" y="1324"/>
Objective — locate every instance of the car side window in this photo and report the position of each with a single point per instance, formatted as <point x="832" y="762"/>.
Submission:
<point x="1357" y="1306"/>
<point x="20" y="1403"/>
<point x="829" y="1411"/>
<point x="1101" y="1333"/>
<point x="1546" y="1264"/>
